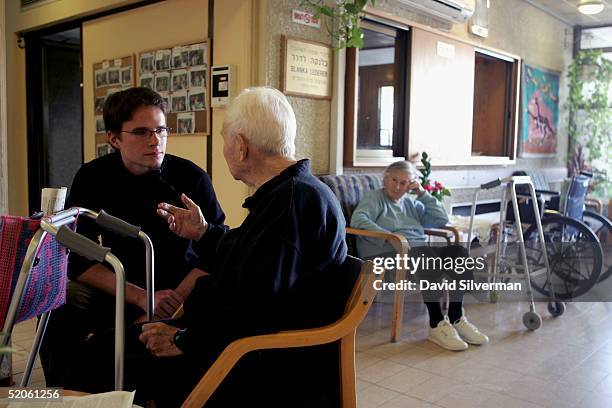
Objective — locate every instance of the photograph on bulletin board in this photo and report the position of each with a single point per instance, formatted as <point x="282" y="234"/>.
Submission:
<point x="102" y="149"/>
<point x="126" y="76"/>
<point x="539" y="112"/>
<point x="109" y="76"/>
<point x="179" y="74"/>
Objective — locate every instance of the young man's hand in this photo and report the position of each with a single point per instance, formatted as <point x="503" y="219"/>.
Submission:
<point x="186" y="223"/>
<point x="166" y="303"/>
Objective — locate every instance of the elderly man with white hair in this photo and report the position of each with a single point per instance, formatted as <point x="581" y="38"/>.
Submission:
<point x="392" y="209"/>
<point x="271" y="273"/>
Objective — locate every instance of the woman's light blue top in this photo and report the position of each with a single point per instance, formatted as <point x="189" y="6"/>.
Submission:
<point x="408" y="217"/>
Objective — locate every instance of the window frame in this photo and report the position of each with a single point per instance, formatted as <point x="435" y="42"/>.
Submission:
<point x="512" y="115"/>
<point x="352" y="155"/>
<point x="346" y="141"/>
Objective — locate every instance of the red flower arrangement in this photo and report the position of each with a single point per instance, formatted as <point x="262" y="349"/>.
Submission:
<point x="435" y="188"/>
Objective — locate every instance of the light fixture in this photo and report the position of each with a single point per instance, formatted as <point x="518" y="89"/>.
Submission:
<point x="590" y="6"/>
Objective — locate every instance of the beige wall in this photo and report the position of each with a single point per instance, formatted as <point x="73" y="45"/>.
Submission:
<point x="134" y="31"/>
<point x="56" y="12"/>
<point x="515" y="27"/>
<point x="235" y="21"/>
<point x="518" y="28"/>
<point x="248" y="35"/>
<point x="313" y="116"/>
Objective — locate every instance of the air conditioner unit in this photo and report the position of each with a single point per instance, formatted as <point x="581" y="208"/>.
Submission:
<point x="456" y="11"/>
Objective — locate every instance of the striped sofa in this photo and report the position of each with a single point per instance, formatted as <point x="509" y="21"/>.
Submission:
<point x="349" y="189"/>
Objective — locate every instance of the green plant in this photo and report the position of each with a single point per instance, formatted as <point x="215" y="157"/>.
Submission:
<point x="590" y="118"/>
<point x="435" y="188"/>
<point x="346" y="13"/>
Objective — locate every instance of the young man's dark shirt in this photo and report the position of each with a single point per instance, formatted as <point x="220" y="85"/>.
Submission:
<point x="106" y="184"/>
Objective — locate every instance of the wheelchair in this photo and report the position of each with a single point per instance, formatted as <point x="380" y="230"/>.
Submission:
<point x="572" y="237"/>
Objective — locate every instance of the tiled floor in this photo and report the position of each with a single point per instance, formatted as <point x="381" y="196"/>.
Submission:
<point x="566" y="363"/>
<point x="23" y="336"/>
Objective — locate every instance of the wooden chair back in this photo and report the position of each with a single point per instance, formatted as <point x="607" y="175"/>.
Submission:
<point x="342" y="330"/>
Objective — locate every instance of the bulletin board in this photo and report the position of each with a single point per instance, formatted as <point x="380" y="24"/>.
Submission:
<point x="109" y="76"/>
<point x="180" y="73"/>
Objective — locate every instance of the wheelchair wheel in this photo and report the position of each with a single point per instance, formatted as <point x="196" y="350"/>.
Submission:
<point x="602" y="227"/>
<point x="574" y="256"/>
<point x="556" y="309"/>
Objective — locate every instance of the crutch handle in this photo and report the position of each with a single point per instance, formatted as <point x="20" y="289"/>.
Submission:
<point x="117" y="225"/>
<point x="81" y="245"/>
<point x="491" y="184"/>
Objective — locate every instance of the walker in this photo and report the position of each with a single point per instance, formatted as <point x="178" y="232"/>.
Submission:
<point x="518" y="269"/>
<point x="40" y="246"/>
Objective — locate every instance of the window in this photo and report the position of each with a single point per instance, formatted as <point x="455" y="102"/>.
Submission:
<point x="493" y="128"/>
<point x="375" y="123"/>
<point x="410" y="91"/>
<point x="385" y="113"/>
<point x="599" y="37"/>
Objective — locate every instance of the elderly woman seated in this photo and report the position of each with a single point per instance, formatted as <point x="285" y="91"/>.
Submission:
<point x="391" y="209"/>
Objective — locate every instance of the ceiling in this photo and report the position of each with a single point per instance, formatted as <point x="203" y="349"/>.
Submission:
<point x="373" y="39"/>
<point x="567" y="10"/>
<point x="66" y="37"/>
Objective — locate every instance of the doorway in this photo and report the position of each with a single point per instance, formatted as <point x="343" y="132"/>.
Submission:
<point x="55" y="113"/>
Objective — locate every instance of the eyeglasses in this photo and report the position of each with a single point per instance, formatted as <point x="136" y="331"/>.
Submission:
<point x="161" y="132"/>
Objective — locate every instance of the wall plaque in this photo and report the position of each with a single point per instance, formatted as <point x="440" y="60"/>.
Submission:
<point x="306" y="68"/>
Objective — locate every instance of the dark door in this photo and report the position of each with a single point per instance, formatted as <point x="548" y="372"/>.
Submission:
<point x="54" y="92"/>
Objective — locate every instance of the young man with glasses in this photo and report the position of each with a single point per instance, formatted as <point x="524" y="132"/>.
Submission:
<point x="129" y="183"/>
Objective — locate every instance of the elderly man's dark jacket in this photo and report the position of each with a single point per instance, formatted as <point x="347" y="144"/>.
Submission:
<point x="275" y="271"/>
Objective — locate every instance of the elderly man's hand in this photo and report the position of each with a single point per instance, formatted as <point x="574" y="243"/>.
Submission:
<point x="158" y="339"/>
<point x="186" y="223"/>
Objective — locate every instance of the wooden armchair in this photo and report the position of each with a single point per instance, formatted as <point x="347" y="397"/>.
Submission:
<point x="349" y="189"/>
<point x="343" y="330"/>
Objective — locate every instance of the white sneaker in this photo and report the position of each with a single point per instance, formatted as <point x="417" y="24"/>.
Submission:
<point x="469" y="332"/>
<point x="445" y="336"/>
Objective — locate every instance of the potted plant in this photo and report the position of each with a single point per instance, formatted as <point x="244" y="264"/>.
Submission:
<point x="435" y="188"/>
<point x="346" y="13"/>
